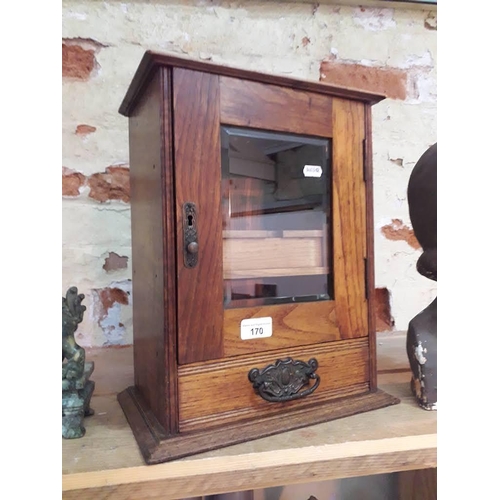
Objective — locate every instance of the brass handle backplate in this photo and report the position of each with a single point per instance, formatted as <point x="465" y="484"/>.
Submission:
<point x="283" y="380"/>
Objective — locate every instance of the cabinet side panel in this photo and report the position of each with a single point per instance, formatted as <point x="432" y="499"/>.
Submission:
<point x="198" y="180"/>
<point x="370" y="252"/>
<point x="349" y="217"/>
<point x="170" y="257"/>
<point x="145" y="142"/>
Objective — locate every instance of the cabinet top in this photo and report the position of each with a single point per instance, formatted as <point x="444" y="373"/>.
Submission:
<point x="153" y="60"/>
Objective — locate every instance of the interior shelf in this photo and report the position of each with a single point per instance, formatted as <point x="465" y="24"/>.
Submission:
<point x="268" y="273"/>
<point x="259" y="233"/>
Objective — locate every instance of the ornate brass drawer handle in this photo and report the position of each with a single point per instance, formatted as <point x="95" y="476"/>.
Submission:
<point x="283" y="380"/>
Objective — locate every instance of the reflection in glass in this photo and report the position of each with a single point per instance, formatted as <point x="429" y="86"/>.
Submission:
<point x="276" y="217"/>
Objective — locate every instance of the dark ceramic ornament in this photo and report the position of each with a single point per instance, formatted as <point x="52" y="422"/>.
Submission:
<point x="77" y="389"/>
<point x="421" y="340"/>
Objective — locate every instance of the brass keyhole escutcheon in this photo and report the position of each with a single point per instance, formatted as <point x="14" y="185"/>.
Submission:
<point x="190" y="223"/>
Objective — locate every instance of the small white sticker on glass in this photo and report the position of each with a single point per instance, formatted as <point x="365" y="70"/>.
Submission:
<point x="312" y="171"/>
<point x="256" y="328"/>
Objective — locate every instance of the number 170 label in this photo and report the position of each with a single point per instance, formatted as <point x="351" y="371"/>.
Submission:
<point x="256" y="328"/>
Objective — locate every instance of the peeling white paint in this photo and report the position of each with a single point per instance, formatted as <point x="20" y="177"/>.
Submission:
<point x="419" y="354"/>
<point x="115" y="322"/>
<point x="413" y="60"/>
<point x="367" y="62"/>
<point x="77" y="15"/>
<point x="113" y="329"/>
<point x="374" y="19"/>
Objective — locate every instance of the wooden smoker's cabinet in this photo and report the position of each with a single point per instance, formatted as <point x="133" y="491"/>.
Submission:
<point x="252" y="255"/>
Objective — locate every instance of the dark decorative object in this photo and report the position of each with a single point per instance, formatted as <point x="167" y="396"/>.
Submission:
<point x="421" y="342"/>
<point x="77" y="389"/>
<point x="283" y="380"/>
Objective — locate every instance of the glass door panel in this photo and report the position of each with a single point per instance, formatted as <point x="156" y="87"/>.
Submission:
<point x="276" y="204"/>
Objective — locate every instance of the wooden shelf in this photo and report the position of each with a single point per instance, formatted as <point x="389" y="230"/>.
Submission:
<point x="107" y="464"/>
<point x="286" y="233"/>
<point x="274" y="273"/>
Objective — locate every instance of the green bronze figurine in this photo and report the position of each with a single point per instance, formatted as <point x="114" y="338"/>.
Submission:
<point x="77" y="389"/>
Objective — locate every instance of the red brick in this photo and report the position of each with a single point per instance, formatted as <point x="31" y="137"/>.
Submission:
<point x="391" y="82"/>
<point x="113" y="184"/>
<point x="85" y="129"/>
<point x="397" y="231"/>
<point x="108" y="296"/>
<point x="77" y="62"/>
<point x="383" y="319"/>
<point x="71" y="182"/>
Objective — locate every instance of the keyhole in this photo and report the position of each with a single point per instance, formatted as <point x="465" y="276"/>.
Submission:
<point x="190" y="220"/>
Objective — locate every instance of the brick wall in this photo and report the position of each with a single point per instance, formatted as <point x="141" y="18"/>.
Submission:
<point x="385" y="50"/>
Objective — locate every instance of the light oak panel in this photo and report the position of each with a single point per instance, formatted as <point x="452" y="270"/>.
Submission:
<point x="258" y="105"/>
<point x="349" y="218"/>
<point x="293" y="325"/>
<point x="269" y="253"/>
<point x="274" y="272"/>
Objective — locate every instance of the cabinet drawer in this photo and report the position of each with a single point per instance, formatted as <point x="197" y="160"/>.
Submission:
<point x="213" y="394"/>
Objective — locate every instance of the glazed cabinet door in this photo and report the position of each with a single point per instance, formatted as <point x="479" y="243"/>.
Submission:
<point x="271" y="217"/>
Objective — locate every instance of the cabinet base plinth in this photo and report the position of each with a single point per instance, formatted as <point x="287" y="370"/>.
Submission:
<point x="157" y="447"/>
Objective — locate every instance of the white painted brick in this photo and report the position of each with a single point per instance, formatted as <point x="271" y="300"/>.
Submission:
<point x="95" y="225"/>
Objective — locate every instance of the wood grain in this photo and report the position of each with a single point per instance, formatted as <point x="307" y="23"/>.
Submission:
<point x="255" y="470"/>
<point x="418" y="484"/>
<point x="293" y="325"/>
<point x="157" y="448"/>
<point x="107" y="463"/>
<point x="349" y="218"/>
<point x="370" y="250"/>
<point x="274" y="272"/>
<point x="151" y="60"/>
<point x="170" y="259"/>
<point x="147" y="209"/>
<point x="198" y="180"/>
<point x="191" y="389"/>
<point x="270" y="107"/>
<point x="256" y="254"/>
<point x="216" y="393"/>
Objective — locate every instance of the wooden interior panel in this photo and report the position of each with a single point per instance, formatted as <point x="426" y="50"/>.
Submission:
<point x="271" y="107"/>
<point x="213" y="394"/>
<point x="198" y="180"/>
<point x="349" y="218"/>
<point x="293" y="325"/>
<point x="147" y="210"/>
<point x="248" y="256"/>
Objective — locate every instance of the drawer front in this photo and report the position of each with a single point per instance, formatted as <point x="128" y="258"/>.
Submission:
<point x="213" y="394"/>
